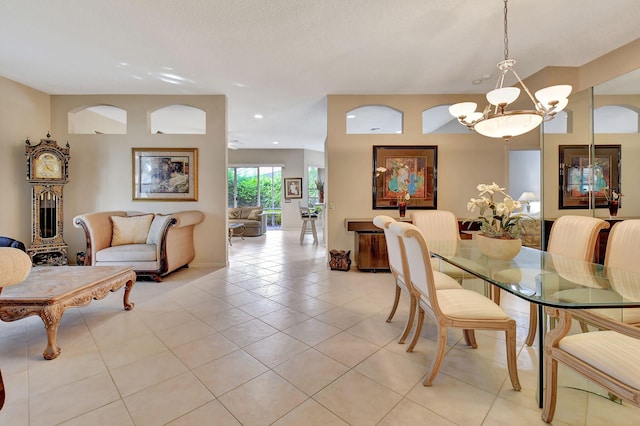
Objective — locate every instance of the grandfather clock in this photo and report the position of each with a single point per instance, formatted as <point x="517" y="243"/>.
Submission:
<point x="47" y="172"/>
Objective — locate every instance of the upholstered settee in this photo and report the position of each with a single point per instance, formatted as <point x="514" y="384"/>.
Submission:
<point x="154" y="244"/>
<point x="252" y="218"/>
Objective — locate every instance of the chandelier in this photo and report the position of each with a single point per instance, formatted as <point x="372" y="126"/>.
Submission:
<point x="495" y="121"/>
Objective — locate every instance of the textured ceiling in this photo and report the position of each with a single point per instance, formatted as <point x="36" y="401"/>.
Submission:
<point x="281" y="58"/>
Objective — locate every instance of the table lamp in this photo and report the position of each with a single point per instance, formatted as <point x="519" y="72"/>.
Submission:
<point x="526" y="198"/>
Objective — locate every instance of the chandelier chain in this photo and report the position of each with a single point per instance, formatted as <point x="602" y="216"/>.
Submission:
<point x="506" y="37"/>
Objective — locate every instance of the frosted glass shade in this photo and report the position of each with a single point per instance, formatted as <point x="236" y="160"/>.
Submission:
<point x="507" y="126"/>
<point x="554" y="93"/>
<point x="462" y="108"/>
<point x="503" y="95"/>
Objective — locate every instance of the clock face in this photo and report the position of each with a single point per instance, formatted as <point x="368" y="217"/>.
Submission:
<point x="48" y="166"/>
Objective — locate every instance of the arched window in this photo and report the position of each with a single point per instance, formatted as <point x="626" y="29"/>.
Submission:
<point x="97" y="119"/>
<point x="615" y="119"/>
<point x="439" y="120"/>
<point x="372" y="119"/>
<point x="179" y="119"/>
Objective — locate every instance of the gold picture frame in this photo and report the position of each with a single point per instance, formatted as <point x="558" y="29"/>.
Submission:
<point x="165" y="174"/>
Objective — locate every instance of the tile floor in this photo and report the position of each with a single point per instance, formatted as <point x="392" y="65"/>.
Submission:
<point x="275" y="338"/>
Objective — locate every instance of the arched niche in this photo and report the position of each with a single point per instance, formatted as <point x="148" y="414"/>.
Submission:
<point x="438" y="120"/>
<point x="97" y="119"/>
<point x="615" y="119"/>
<point x="374" y="119"/>
<point x="562" y="123"/>
<point x="178" y="119"/>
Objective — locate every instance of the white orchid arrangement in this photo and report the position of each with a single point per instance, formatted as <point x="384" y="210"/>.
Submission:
<point x="497" y="218"/>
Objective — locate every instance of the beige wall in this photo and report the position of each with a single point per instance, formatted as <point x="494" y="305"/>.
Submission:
<point x="24" y="113"/>
<point x="464" y="160"/>
<point x="100" y="170"/>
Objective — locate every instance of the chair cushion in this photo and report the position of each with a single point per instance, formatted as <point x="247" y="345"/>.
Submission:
<point x="610" y="352"/>
<point x="128" y="253"/>
<point x="255" y="214"/>
<point x="444" y="281"/>
<point x="468" y="305"/>
<point x="130" y="229"/>
<point x="155" y="230"/>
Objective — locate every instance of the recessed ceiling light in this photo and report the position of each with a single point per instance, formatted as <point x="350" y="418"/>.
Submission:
<point x="276" y="142"/>
<point x="239" y="84"/>
<point x="351" y="116"/>
<point x="399" y="132"/>
<point x="257" y="116"/>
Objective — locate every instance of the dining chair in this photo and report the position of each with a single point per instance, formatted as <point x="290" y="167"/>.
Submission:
<point x="397" y="270"/>
<point x="15" y="265"/>
<point x="572" y="237"/>
<point x="609" y="357"/>
<point x="440" y="225"/>
<point x="308" y="219"/>
<point x="455" y="308"/>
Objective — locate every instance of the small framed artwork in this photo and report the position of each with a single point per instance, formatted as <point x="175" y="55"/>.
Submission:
<point x="165" y="174"/>
<point x="580" y="178"/>
<point x="292" y="188"/>
<point x="405" y="173"/>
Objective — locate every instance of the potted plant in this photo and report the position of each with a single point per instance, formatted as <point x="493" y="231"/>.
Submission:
<point x="501" y="228"/>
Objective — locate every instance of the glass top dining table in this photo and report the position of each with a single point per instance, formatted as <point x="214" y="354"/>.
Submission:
<point x="544" y="278"/>
<point x="547" y="279"/>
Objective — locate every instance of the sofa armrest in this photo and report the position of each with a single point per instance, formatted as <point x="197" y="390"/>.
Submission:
<point x="263" y="222"/>
<point x="97" y="230"/>
<point x="187" y="218"/>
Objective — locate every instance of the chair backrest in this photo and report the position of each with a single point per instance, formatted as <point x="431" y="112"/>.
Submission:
<point x="393" y="245"/>
<point x="305" y="212"/>
<point x="417" y="263"/>
<point x="575" y="236"/>
<point x="436" y="225"/>
<point x="622" y="258"/>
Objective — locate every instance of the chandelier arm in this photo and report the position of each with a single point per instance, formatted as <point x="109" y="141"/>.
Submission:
<point x="537" y="104"/>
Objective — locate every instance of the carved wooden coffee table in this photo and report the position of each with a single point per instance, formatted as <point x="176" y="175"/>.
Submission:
<point x="49" y="290"/>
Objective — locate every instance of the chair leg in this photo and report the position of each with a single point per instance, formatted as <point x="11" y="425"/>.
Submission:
<point x="302" y="231"/>
<point x="495" y="295"/>
<point x="416" y="335"/>
<point x="533" y="324"/>
<point x="1" y="391"/>
<point x="412" y="315"/>
<point x="437" y="360"/>
<point x="395" y="303"/>
<point x="512" y="360"/>
<point x="550" y="389"/>
<point x="314" y="232"/>
<point x="470" y="338"/>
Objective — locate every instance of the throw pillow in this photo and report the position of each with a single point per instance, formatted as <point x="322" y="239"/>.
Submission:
<point x="130" y="229"/>
<point x="255" y="214"/>
<point x="234" y="213"/>
<point x="156" y="228"/>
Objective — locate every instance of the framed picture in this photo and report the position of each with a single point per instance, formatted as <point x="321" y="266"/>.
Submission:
<point x="165" y="174"/>
<point x="580" y="179"/>
<point x="292" y="188"/>
<point x="401" y="172"/>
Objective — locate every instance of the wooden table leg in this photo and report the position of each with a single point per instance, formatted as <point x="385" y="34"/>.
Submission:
<point x="127" y="291"/>
<point x="51" y="316"/>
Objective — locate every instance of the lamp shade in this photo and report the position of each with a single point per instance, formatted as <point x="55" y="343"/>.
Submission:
<point x="503" y="95"/>
<point x="528" y="196"/>
<point x="507" y="126"/>
<point x="462" y="109"/>
<point x="553" y="94"/>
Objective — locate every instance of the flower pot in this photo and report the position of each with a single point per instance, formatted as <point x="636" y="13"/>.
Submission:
<point x="402" y="209"/>
<point x="497" y="248"/>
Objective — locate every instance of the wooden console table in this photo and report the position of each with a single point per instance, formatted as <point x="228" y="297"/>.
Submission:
<point x="370" y="246"/>
<point x="49" y="290"/>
